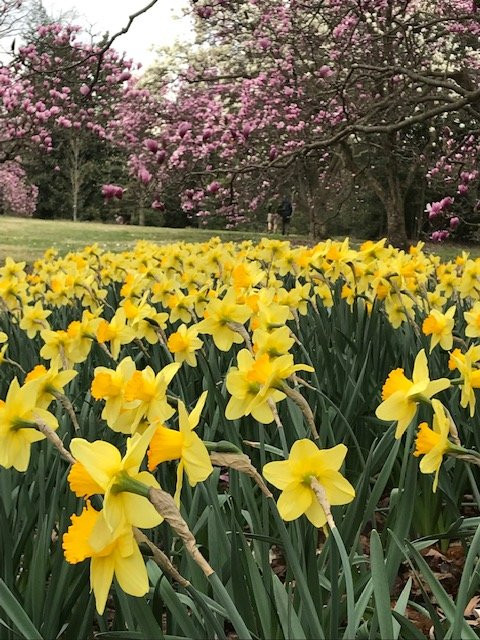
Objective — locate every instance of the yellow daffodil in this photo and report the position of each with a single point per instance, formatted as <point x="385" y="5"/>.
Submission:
<point x="100" y="468"/>
<point x="399" y="309"/>
<point x="51" y="381"/>
<point x="324" y="292"/>
<point x="470" y="375"/>
<point x="34" y="319"/>
<point x="296" y="299"/>
<point x="116" y="332"/>
<point x="218" y="314"/>
<point x="440" y="326"/>
<point x="433" y="444"/>
<point x="275" y="343"/>
<point x="55" y="348"/>
<point x="113" y="554"/>
<point x="473" y="321"/>
<point x="400" y="395"/>
<point x="183" y="445"/>
<point x="270" y="316"/>
<point x="109" y="385"/>
<point x="147" y="393"/>
<point x="183" y="343"/>
<point x="12" y="269"/>
<point x="293" y="477"/>
<point x="257" y="381"/>
<point x="250" y="389"/>
<point x="246" y="275"/>
<point x="18" y="414"/>
<point x="181" y="306"/>
<point x="80" y="340"/>
<point x="144" y="319"/>
<point x="435" y="300"/>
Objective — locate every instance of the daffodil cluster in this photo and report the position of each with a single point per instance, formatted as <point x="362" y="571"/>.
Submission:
<point x="144" y="330"/>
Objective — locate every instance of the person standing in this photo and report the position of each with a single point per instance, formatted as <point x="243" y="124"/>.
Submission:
<point x="285" y="212"/>
<point x="272" y="218"/>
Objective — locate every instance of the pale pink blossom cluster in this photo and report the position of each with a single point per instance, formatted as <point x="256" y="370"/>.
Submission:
<point x="17" y="196"/>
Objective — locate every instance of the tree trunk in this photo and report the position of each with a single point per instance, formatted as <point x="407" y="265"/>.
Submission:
<point x="396" y="230"/>
<point x="394" y="202"/>
<point x="141" y="211"/>
<point x="75" y="177"/>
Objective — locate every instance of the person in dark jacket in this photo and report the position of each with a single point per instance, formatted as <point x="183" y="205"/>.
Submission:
<point x="285" y="212"/>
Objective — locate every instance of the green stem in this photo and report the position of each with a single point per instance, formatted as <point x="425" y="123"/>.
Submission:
<point x="225" y="600"/>
<point x="127" y="483"/>
<point x="312" y="614"/>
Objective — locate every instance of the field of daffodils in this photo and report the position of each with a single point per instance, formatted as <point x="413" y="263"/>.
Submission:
<point x="254" y="441"/>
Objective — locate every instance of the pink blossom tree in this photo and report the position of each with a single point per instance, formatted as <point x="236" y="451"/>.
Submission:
<point x="17" y="196"/>
<point x="316" y="94"/>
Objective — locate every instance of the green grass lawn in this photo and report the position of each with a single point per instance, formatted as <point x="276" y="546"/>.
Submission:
<point x="27" y="239"/>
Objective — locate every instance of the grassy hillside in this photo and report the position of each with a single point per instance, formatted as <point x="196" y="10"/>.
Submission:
<point x="26" y="239"/>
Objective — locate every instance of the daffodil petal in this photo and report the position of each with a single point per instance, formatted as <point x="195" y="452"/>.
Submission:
<point x="194" y="417"/>
<point x="302" y="449"/>
<point x="196" y="460"/>
<point x="131" y="573"/>
<point x="100" y="459"/>
<point x="294" y="500"/>
<point x="316" y="514"/>
<point x="338" y="489"/>
<point x="331" y="458"/>
<point x="137" y="447"/>
<point x="278" y="473"/>
<point x="420" y="367"/>
<point x="101" y="576"/>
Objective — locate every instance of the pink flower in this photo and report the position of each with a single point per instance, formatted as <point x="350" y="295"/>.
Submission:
<point x="325" y="71"/>
<point x="183" y="128"/>
<point x="144" y="175"/>
<point x="151" y="145"/>
<point x="213" y="187"/>
<point x="439" y="236"/>
<point x="110" y="191"/>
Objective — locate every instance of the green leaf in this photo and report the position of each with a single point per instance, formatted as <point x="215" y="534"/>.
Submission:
<point x="409" y="630"/>
<point x="291" y="625"/>
<point x="441" y="596"/>
<point x="360" y="606"/>
<point x="464" y="589"/>
<point x="16" y="613"/>
<point x="401" y="605"/>
<point x="381" y="591"/>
